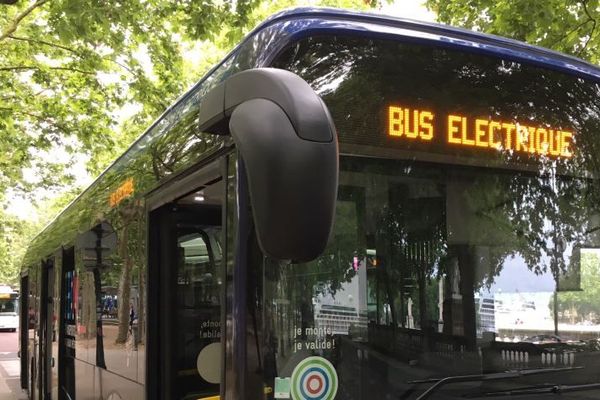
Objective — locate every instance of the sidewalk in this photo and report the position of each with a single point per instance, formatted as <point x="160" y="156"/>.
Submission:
<point x="9" y="378"/>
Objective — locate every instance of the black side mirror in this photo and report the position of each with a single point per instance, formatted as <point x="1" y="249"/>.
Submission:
<point x="287" y="140"/>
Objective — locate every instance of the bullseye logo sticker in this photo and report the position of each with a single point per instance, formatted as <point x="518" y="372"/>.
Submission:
<point x="314" y="378"/>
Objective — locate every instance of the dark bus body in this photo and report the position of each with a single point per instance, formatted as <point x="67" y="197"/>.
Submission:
<point x="462" y="259"/>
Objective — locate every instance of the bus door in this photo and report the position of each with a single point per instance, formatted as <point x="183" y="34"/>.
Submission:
<point x="46" y="334"/>
<point x="66" y="350"/>
<point x="185" y="289"/>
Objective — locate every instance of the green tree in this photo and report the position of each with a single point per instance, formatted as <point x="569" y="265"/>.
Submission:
<point x="67" y="67"/>
<point x="16" y="233"/>
<point x="584" y="304"/>
<point x="567" y="26"/>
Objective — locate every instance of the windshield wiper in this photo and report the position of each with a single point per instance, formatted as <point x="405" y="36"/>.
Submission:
<point x="486" y="377"/>
<point x="556" y="389"/>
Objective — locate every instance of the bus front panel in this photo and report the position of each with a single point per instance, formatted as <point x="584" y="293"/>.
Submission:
<point x="466" y="234"/>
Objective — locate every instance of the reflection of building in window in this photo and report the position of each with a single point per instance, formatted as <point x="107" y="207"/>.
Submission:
<point x="339" y="320"/>
<point x="344" y="312"/>
<point x="486" y="307"/>
<point x="525" y="310"/>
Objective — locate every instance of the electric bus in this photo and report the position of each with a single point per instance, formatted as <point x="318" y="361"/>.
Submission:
<point x="349" y="206"/>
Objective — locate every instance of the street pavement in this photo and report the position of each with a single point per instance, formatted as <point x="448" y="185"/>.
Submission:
<point x="9" y="367"/>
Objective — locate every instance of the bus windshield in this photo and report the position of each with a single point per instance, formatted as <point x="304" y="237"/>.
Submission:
<point x="8" y="305"/>
<point x="467" y="230"/>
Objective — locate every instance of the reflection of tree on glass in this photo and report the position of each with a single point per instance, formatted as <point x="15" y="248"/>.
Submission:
<point x="465" y="247"/>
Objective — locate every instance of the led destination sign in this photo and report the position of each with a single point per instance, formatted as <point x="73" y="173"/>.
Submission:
<point x="420" y="125"/>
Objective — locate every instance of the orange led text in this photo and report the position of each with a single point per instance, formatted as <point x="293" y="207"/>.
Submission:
<point x="122" y="192"/>
<point x="415" y="124"/>
<point x="410" y="123"/>
<point x="507" y="136"/>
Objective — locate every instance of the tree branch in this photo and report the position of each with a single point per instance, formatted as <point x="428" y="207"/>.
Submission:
<point x="42" y="42"/>
<point x="40" y="118"/>
<point x="566" y="35"/>
<point x="33" y="67"/>
<point x="12" y="27"/>
<point x="9" y="97"/>
<point x="58" y="46"/>
<point x="587" y="12"/>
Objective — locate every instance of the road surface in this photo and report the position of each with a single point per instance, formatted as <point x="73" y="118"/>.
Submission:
<point x="9" y="367"/>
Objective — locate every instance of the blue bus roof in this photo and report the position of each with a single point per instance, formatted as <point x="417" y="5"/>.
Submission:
<point x="443" y="34"/>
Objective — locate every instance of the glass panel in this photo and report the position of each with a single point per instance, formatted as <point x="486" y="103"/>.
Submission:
<point x="441" y="272"/>
<point x="198" y="305"/>
<point x="114" y="253"/>
<point x="68" y="330"/>
<point x="402" y="100"/>
<point x="8" y="306"/>
<point x="458" y="250"/>
<point x="54" y="311"/>
<point x="195" y="326"/>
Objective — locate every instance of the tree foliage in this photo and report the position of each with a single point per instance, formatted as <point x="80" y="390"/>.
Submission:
<point x="84" y="78"/>
<point x="16" y="233"/>
<point x="566" y="26"/>
<point x="583" y="305"/>
<point x="68" y="67"/>
<point x="13" y="240"/>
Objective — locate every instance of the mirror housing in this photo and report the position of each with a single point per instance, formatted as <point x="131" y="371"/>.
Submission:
<point x="287" y="140"/>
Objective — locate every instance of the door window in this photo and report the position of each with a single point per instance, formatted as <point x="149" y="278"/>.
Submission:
<point x="198" y="333"/>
